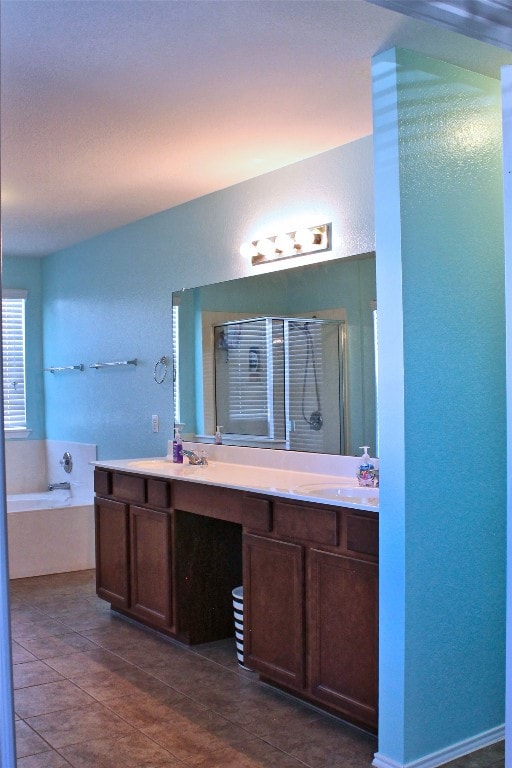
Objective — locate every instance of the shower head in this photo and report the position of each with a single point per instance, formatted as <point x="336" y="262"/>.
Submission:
<point x="316" y="421"/>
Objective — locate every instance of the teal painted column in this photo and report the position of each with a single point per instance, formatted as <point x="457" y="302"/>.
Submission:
<point x="440" y="288"/>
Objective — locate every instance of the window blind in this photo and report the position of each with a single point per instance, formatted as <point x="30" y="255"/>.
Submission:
<point x="13" y="340"/>
<point x="243" y="379"/>
<point x="176" y="357"/>
<point x="246" y="358"/>
<point x="248" y="393"/>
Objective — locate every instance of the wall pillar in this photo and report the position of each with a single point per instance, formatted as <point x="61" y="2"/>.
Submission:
<point x="440" y="288"/>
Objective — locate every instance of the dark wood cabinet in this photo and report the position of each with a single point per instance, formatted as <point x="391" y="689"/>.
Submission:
<point x="112" y="553"/>
<point x="273" y="609"/>
<point x="151" y="566"/>
<point x="169" y="553"/>
<point x="311" y="612"/>
<point x="342" y="634"/>
<point x="134" y="563"/>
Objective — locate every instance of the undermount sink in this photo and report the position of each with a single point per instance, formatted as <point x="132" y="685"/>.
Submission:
<point x="368" y="496"/>
<point x="212" y="472"/>
<point x="147" y="463"/>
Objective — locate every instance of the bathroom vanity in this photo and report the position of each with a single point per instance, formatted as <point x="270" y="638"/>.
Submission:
<point x="173" y="541"/>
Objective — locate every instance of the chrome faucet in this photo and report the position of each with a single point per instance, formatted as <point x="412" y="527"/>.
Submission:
<point x="198" y="459"/>
<point x="58" y="486"/>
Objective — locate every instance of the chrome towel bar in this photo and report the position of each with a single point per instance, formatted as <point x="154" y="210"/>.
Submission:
<point x="55" y="369"/>
<point x="110" y="365"/>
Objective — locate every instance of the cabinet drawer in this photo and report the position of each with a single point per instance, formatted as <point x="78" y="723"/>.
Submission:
<point x="256" y="513"/>
<point x="102" y="482"/>
<point x="309" y="523"/>
<point x="362" y="534"/>
<point x="159" y="493"/>
<point x="129" y="487"/>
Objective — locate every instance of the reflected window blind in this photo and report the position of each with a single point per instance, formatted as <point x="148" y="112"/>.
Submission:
<point x="13" y="340"/>
<point x="305" y="358"/>
<point x="248" y="387"/>
<point x="176" y="358"/>
<point x="278" y="380"/>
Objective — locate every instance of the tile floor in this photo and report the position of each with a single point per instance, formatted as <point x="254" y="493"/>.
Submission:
<point x="93" y="690"/>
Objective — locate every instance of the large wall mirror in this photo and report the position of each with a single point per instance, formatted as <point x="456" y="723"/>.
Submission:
<point x="283" y="360"/>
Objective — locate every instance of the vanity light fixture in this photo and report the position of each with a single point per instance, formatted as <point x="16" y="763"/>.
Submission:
<point x="299" y="243"/>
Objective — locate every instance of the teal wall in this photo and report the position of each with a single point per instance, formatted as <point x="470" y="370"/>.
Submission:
<point x="440" y="282"/>
<point x="26" y="274"/>
<point x="106" y="300"/>
<point x="110" y="298"/>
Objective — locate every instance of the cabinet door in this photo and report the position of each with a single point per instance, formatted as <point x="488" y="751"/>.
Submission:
<point x="273" y="609"/>
<point x="112" y="577"/>
<point x="342" y="630"/>
<point x="150" y="557"/>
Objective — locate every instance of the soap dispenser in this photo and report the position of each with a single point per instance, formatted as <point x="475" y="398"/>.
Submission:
<point x="218" y="435"/>
<point x="366" y="475"/>
<point x="177" y="447"/>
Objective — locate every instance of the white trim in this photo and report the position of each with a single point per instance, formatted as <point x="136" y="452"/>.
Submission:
<point x="484" y="739"/>
<point x="16" y="434"/>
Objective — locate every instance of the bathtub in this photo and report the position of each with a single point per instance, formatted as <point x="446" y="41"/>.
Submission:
<point x="49" y="532"/>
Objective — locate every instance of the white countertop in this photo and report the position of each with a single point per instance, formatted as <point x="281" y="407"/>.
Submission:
<point x="291" y="484"/>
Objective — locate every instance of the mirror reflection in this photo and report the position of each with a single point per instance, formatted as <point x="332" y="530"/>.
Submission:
<point x="282" y="360"/>
<point x="274" y="380"/>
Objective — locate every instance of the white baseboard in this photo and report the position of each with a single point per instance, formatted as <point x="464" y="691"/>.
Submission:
<point x="445" y="755"/>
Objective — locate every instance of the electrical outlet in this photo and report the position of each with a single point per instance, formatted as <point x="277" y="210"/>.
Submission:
<point x="154" y="422"/>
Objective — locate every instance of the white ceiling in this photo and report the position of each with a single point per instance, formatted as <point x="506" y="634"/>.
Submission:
<point x="114" y="110"/>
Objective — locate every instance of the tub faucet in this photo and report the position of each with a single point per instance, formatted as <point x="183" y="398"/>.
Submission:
<point x="199" y="460"/>
<point x="58" y="486"/>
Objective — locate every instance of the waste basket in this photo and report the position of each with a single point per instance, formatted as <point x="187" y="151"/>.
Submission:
<point x="238" y="611"/>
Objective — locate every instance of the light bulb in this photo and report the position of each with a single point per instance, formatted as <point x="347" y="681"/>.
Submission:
<point x="283" y="243"/>
<point x="265" y="247"/>
<point x="248" y="251"/>
<point x="304" y="238"/>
